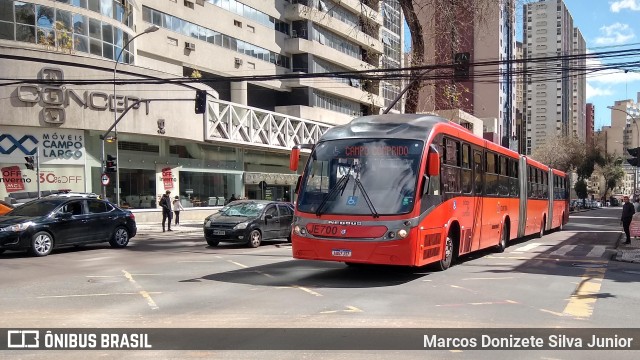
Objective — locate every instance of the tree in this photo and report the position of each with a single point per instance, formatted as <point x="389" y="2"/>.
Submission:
<point x="565" y="153"/>
<point x="612" y="172"/>
<point x="581" y="189"/>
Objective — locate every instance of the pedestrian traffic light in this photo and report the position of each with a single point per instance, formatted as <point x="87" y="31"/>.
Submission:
<point x="461" y="66"/>
<point x="201" y="101"/>
<point x="111" y="165"/>
<point x="30" y="162"/>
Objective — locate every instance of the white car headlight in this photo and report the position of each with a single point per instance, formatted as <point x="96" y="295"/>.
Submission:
<point x="17" y="227"/>
<point x="241" y="226"/>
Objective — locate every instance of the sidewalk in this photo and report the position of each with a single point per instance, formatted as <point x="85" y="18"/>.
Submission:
<point x="628" y="253"/>
<point x="187" y="226"/>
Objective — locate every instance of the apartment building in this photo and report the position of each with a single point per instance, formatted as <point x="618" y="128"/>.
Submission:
<point x="554" y="101"/>
<point x="487" y="35"/>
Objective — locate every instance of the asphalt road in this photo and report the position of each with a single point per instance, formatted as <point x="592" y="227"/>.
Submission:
<point x="167" y="280"/>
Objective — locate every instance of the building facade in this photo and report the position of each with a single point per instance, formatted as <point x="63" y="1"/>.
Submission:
<point x="239" y="146"/>
<point x="555" y="103"/>
<point x="589" y="121"/>
<point x="521" y="128"/>
<point x="486" y="34"/>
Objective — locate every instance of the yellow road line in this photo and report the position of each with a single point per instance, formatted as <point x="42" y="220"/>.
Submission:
<point x="585" y="296"/>
<point x="142" y="292"/>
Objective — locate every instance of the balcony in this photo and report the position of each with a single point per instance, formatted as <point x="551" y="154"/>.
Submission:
<point x="298" y="12"/>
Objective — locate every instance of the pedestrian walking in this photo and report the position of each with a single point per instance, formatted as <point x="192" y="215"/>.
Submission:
<point x="232" y="198"/>
<point x="177" y="207"/>
<point x="165" y="203"/>
<point x="627" y="214"/>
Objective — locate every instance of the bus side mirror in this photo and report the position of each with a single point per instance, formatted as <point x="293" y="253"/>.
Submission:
<point x="433" y="164"/>
<point x="294" y="158"/>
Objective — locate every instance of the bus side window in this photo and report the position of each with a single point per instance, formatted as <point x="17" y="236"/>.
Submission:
<point x="478" y="184"/>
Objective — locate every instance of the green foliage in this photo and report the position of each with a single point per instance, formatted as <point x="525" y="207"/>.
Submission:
<point x="581" y="189"/>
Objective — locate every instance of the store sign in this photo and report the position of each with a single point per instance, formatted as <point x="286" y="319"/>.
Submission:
<point x="167" y="178"/>
<point x="57" y="146"/>
<point x="55" y="99"/>
<point x="19" y="181"/>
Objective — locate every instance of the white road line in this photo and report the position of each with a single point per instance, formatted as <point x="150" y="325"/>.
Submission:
<point x="238" y="264"/>
<point x="563" y="250"/>
<point x="527" y="247"/>
<point x="306" y="290"/>
<point x="597" y="251"/>
<point x="91" y="295"/>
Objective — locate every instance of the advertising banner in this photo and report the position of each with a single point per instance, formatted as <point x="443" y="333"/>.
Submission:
<point x="57" y="146"/>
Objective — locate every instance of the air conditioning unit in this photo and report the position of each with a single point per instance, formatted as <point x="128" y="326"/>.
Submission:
<point x="238" y="61"/>
<point x="189" y="46"/>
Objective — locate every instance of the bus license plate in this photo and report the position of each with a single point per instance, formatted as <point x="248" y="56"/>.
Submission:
<point x="341" y="252"/>
<point x="218" y="232"/>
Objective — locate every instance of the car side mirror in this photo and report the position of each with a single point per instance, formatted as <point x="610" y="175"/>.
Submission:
<point x="268" y="216"/>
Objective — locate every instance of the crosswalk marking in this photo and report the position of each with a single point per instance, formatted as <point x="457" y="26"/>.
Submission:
<point x="597" y="251"/>
<point x="527" y="247"/>
<point x="563" y="250"/>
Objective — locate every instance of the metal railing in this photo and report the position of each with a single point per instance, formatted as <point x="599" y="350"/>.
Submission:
<point x="235" y="123"/>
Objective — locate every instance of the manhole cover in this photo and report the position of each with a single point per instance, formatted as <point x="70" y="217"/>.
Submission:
<point x="590" y="266"/>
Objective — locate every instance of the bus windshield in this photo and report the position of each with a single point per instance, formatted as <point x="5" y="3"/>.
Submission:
<point x="361" y="177"/>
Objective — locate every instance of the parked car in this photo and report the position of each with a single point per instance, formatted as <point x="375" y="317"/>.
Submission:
<point x="249" y="222"/>
<point x="5" y="207"/>
<point x="41" y="225"/>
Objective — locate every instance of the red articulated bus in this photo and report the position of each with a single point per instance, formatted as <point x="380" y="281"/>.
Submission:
<point x="417" y="189"/>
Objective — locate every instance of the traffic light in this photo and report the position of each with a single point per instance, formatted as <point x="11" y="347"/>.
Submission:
<point x="111" y="165"/>
<point x="201" y="101"/>
<point x="461" y="66"/>
<point x="633" y="161"/>
<point x="633" y="152"/>
<point x="30" y="162"/>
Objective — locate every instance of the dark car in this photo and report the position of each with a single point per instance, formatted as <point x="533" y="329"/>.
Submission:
<point x="249" y="222"/>
<point x="40" y="225"/>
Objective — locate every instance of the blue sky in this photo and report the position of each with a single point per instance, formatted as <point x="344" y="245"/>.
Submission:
<point x="606" y="25"/>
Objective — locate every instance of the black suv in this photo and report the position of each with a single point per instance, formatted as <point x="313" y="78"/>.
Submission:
<point x="250" y="222"/>
<point x="40" y="225"/>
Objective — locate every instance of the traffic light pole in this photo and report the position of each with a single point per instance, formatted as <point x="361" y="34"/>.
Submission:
<point x="38" y="169"/>
<point x="103" y="138"/>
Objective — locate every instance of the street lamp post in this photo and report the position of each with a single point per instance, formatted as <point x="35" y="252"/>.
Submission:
<point x="635" y="122"/>
<point x="103" y="138"/>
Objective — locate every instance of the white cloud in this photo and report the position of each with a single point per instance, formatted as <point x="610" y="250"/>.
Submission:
<point x="615" y="34"/>
<point x="616" y="6"/>
<point x="610" y="76"/>
<point x="595" y="91"/>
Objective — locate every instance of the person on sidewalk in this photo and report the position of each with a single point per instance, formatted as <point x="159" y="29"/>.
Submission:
<point x="177" y="207"/>
<point x="627" y="214"/>
<point x="165" y="203"/>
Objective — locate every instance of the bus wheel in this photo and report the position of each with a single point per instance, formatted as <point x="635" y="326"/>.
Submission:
<point x="561" y="227"/>
<point x="504" y="237"/>
<point x="542" y="226"/>
<point x="447" y="259"/>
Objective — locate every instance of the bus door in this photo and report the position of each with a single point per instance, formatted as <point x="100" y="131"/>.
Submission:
<point x="478" y="186"/>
